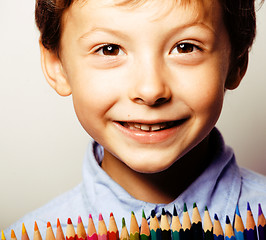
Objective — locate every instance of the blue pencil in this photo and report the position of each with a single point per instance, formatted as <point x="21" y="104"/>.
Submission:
<point x="238" y="225"/>
<point x="217" y="229"/>
<point x="251" y="230"/>
<point x="228" y="231"/>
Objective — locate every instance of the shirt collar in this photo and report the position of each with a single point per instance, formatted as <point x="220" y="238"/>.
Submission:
<point x="218" y="188"/>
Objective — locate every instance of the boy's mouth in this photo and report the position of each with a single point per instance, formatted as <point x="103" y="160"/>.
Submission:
<point x="151" y="127"/>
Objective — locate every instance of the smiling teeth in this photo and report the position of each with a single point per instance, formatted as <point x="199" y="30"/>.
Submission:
<point x="147" y="127"/>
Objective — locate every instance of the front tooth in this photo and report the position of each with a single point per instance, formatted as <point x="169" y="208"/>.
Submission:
<point x="155" y="127"/>
<point x="137" y="125"/>
<point x="144" y="127"/>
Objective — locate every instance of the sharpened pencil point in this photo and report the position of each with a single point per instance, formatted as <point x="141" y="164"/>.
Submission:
<point x="100" y="217"/>
<point x="35" y="226"/>
<point x="3" y="235"/>
<point x="248" y="207"/>
<point x="163" y="211"/>
<point x="260" y="210"/>
<point x="143" y="214"/>
<point x="13" y="235"/>
<point x="206" y="208"/>
<point x="111" y="214"/>
<point x="185" y="207"/>
<point x="123" y="222"/>
<point x="79" y="220"/>
<point x="216" y="217"/>
<point x="175" y="212"/>
<point x="48" y="224"/>
<point x="194" y="205"/>
<point x="23" y="229"/>
<point x="227" y="221"/>
<point x="153" y="213"/>
<point x="58" y="223"/>
<point x="237" y="211"/>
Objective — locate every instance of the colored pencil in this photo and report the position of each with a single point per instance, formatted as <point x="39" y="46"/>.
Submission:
<point x="238" y="225"/>
<point x="24" y="235"/>
<point x="134" y="228"/>
<point x="207" y="225"/>
<point x="165" y="227"/>
<point x="144" y="229"/>
<point x="196" y="227"/>
<point x="251" y="230"/>
<point x="81" y="233"/>
<point x="228" y="231"/>
<point x="261" y="224"/>
<point x="49" y="232"/>
<point x="36" y="234"/>
<point x="186" y="225"/>
<point x="102" y="230"/>
<point x="59" y="232"/>
<point x="217" y="229"/>
<point x="3" y="235"/>
<point x="112" y="232"/>
<point x="91" y="231"/>
<point x="155" y="227"/>
<point x="13" y="235"/>
<point x="175" y="226"/>
<point x="70" y="231"/>
<point x="124" y="233"/>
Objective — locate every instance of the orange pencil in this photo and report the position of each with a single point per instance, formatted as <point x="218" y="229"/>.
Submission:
<point x="102" y="230"/>
<point x="92" y="233"/>
<point x="59" y="232"/>
<point x="49" y="232"/>
<point x="36" y="234"/>
<point x="24" y="235"/>
<point x="70" y="231"/>
<point x="13" y="235"/>
<point x="81" y="233"/>
<point x="112" y="233"/>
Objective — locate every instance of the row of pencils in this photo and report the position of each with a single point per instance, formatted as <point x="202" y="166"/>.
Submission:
<point x="165" y="229"/>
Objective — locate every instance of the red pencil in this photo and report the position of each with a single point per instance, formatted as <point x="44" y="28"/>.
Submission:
<point x="112" y="233"/>
<point x="102" y="230"/>
<point x="92" y="233"/>
<point x="59" y="232"/>
<point x="70" y="231"/>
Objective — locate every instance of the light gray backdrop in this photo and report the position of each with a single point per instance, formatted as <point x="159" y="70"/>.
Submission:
<point x="41" y="142"/>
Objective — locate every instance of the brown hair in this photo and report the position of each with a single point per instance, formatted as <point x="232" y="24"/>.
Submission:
<point x="239" y="18"/>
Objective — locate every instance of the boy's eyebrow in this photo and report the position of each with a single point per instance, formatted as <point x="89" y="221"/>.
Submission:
<point x="106" y="30"/>
<point x="124" y="36"/>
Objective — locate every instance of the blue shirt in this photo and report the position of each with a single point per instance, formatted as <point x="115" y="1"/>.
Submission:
<point x="220" y="187"/>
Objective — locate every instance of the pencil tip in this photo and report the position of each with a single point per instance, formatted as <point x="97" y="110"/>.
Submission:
<point x="123" y="222"/>
<point x="175" y="212"/>
<point x="100" y="217"/>
<point x="143" y="214"/>
<point x="153" y="213"/>
<point x="227" y="221"/>
<point x="132" y="213"/>
<point x="13" y="235"/>
<point x="185" y="207"/>
<point x="248" y="207"/>
<point x="58" y="223"/>
<point x="48" y="224"/>
<point x="163" y="211"/>
<point x="206" y="208"/>
<point x="69" y="221"/>
<point x="194" y="205"/>
<point x="3" y="235"/>
<point x="79" y="220"/>
<point x="111" y="214"/>
<point x="90" y="216"/>
<point x="260" y="210"/>
<point x="216" y="217"/>
<point x="35" y="226"/>
<point x="237" y="211"/>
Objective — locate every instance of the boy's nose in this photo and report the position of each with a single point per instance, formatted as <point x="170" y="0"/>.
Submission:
<point x="150" y="85"/>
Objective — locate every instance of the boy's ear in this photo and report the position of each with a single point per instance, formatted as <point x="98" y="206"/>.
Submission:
<point x="54" y="72"/>
<point x="237" y="73"/>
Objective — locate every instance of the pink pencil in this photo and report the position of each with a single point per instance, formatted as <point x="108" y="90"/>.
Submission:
<point x="102" y="230"/>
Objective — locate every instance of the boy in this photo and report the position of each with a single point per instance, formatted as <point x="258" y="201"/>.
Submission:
<point x="148" y="80"/>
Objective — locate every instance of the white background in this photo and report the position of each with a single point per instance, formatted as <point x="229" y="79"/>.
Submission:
<point x="41" y="142"/>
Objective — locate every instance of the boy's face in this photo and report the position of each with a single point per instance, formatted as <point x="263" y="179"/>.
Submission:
<point x="147" y="82"/>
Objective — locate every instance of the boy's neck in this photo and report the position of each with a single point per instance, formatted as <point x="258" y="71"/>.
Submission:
<point x="162" y="187"/>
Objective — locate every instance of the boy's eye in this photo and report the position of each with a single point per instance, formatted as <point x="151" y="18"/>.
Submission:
<point x="109" y="50"/>
<point x="184" y="48"/>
